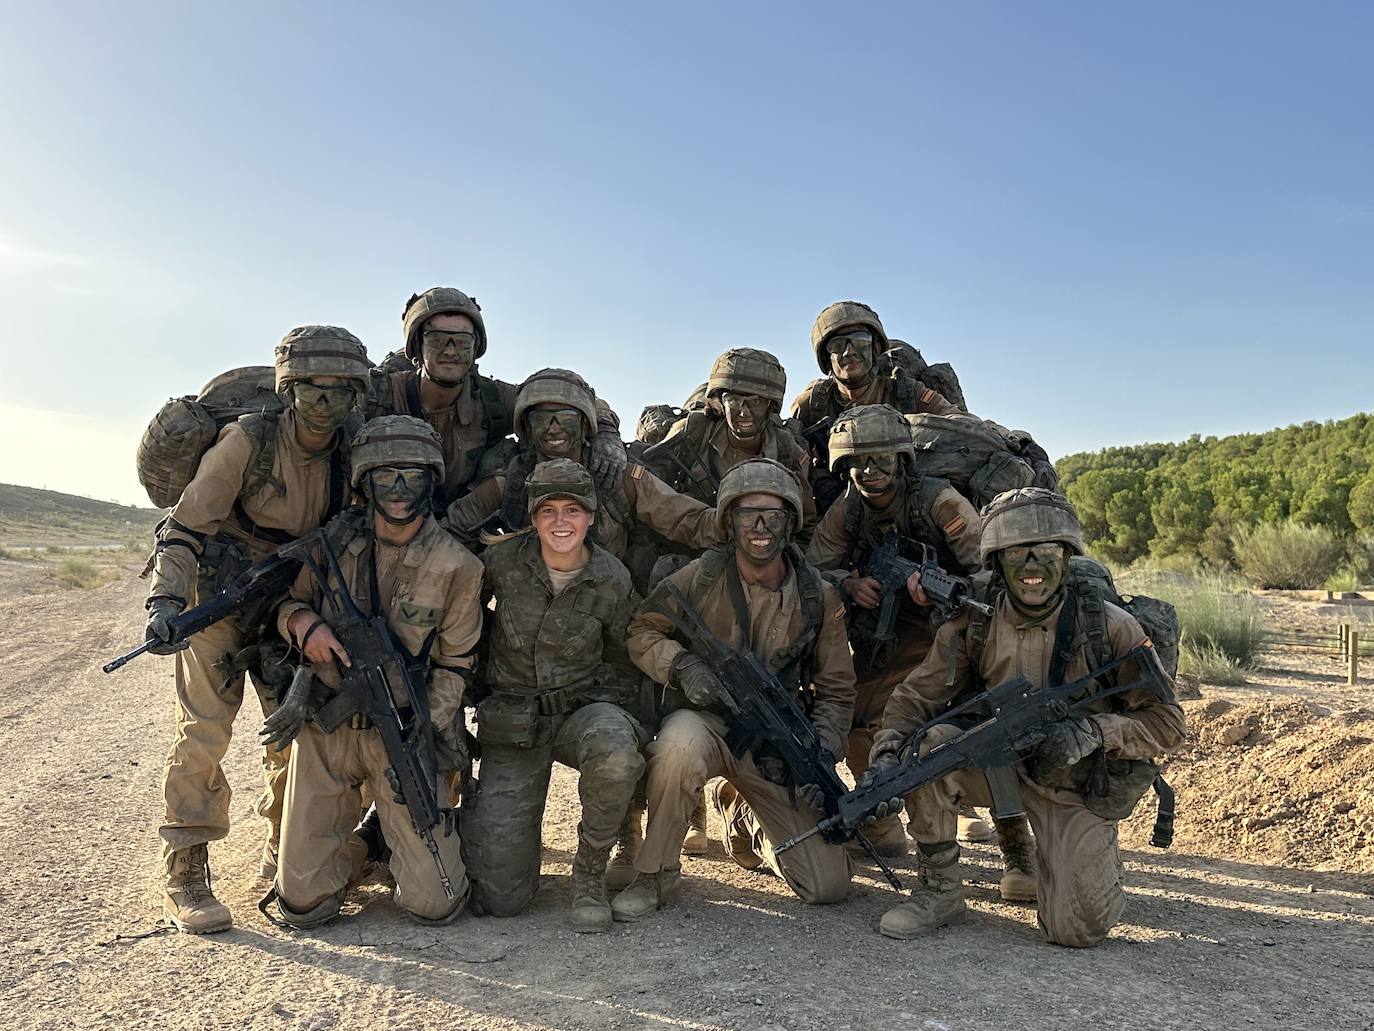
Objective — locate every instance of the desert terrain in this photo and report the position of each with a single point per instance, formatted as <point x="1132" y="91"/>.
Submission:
<point x="1262" y="915"/>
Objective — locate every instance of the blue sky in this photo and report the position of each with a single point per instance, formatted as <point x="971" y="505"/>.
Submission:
<point x="1120" y="224"/>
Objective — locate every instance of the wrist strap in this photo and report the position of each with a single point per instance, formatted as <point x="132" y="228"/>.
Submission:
<point x="319" y="622"/>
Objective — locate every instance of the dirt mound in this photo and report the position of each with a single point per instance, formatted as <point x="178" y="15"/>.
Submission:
<point x="1280" y="782"/>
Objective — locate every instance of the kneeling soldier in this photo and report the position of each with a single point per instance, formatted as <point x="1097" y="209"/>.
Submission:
<point x="559" y="681"/>
<point x="1038" y="630"/>
<point x="760" y="595"/>
<point x="397" y="560"/>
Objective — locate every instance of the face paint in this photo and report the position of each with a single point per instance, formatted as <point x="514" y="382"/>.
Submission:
<point x="399" y="493"/>
<point x="557" y="432"/>
<point x="1033" y="574"/>
<point x="447" y="356"/>
<point x="760" y="533"/>
<point x="874" y="475"/>
<point x="851" y="357"/>
<point x="745" y="414"/>
<point x="322" y="409"/>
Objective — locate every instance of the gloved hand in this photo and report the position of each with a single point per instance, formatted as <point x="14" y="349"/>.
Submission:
<point x="451" y="752"/>
<point x="448" y="822"/>
<point x="394" y="783"/>
<point x="695" y="679"/>
<point x="886" y="752"/>
<point x="298" y="707"/>
<point x="608" y="460"/>
<point x="811" y="796"/>
<point x="160" y="612"/>
<point x="774" y="770"/>
<point x="1069" y="740"/>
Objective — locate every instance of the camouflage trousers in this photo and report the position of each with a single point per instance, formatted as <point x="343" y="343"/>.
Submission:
<point x="320" y="855"/>
<point x="208" y="697"/>
<point x="690" y="749"/>
<point x="503" y="818"/>
<point x="1079" y="867"/>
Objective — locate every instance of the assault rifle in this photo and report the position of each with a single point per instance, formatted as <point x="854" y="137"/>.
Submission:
<point x="379" y="668"/>
<point x="263" y="582"/>
<point x="949" y="594"/>
<point x="999" y="727"/>
<point x="762" y="712"/>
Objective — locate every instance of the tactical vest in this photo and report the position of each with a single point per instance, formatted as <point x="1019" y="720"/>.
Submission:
<point x="921" y="495"/>
<point x="683" y="460"/>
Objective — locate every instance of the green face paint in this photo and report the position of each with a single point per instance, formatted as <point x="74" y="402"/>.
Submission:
<point x="322" y="409"/>
<point x="399" y="493"/>
<point x="761" y="533"/>
<point x="557" y="433"/>
<point x="447" y="357"/>
<point x="874" y="475"/>
<point x="851" y="357"/>
<point x="745" y="414"/>
<point x="1034" y="574"/>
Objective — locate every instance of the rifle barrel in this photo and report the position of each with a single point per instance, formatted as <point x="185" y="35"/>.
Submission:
<point x="115" y="664"/>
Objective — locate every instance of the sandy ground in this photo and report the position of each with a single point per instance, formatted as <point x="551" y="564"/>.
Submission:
<point x="1210" y="939"/>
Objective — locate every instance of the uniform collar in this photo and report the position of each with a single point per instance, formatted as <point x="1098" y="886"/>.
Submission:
<point x="1006" y="610"/>
<point x="417" y="550"/>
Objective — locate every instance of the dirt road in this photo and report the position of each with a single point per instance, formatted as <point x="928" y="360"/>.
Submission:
<point x="1206" y="943"/>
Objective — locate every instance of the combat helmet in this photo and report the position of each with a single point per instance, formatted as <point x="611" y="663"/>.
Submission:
<point x="396" y="440"/>
<point x="870" y="429"/>
<point x="560" y="478"/>
<point x="757" y="476"/>
<point x="440" y="300"/>
<point x="697" y="399"/>
<point x="744" y="370"/>
<point x="1028" y="515"/>
<point x="309" y="351"/>
<point x="839" y="315"/>
<point x="558" y="386"/>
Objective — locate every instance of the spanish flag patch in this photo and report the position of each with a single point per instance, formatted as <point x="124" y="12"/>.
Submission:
<point x="636" y="472"/>
<point x="839" y="613"/>
<point x="925" y="398"/>
<point x="955" y="525"/>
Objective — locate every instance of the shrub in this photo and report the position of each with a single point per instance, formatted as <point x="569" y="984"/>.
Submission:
<point x="81" y="572"/>
<point x="1288" y="555"/>
<point x="5" y="552"/>
<point x="1210" y="665"/>
<point x="1220" y="623"/>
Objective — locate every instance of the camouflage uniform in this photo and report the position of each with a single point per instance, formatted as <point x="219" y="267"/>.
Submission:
<point x="229" y="517"/>
<point x="559" y="682"/>
<point x="430" y="590"/>
<point x="690" y="748"/>
<point x="1080" y="894"/>
<point x="927" y="510"/>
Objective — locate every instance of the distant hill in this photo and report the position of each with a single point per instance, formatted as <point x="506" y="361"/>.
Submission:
<point x="31" y="516"/>
<point x="1187" y="498"/>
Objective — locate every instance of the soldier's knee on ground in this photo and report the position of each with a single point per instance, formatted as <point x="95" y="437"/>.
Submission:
<point x="435" y="909"/>
<point x="505" y="900"/>
<point x="305" y="917"/>
<point x="827" y="890"/>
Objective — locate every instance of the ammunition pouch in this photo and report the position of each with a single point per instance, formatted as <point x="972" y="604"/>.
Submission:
<point x="1111" y="788"/>
<point x="508" y="720"/>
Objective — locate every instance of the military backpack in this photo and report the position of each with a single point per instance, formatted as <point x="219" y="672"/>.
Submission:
<point x="980" y="458"/>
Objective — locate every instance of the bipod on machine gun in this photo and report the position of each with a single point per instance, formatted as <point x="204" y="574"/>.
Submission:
<point x="762" y="711"/>
<point x="1000" y="727"/>
<point x="380" y="670"/>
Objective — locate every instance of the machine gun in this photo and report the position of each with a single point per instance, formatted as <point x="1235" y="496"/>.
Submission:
<point x="999" y="727"/>
<point x="762" y="712"/>
<point x="261" y="583"/>
<point x="873" y="631"/>
<point x="380" y="669"/>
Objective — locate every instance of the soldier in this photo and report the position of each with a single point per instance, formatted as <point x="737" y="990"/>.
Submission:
<point x="395" y="559"/>
<point x="1028" y="536"/>
<point x="555" y="414"/>
<point x="871" y="446"/>
<point x="445" y="336"/>
<point x="559" y="682"/>
<point x="762" y="595"/>
<point x="268" y="479"/>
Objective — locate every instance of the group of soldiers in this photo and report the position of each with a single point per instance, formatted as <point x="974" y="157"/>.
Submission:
<point x="533" y="572"/>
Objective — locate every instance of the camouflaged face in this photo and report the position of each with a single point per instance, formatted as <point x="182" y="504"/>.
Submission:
<point x="838" y="315"/>
<point x="439" y="300"/>
<point x="555" y="386"/>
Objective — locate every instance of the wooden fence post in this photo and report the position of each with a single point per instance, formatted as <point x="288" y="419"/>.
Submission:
<point x="1354" y="675"/>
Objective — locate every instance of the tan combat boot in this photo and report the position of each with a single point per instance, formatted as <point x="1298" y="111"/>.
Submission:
<point x="621" y="870"/>
<point x="696" y="842"/>
<point x="937" y="900"/>
<point x="648" y="893"/>
<point x="1019" y="880"/>
<point x="187" y="900"/>
<point x="972" y="827"/>
<point x="591" y="912"/>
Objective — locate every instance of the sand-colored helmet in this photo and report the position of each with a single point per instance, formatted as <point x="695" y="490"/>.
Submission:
<point x="1028" y="515"/>
<point x="839" y="315"/>
<point x="560" y="478"/>
<point x="655" y="421"/>
<point x="396" y="440"/>
<point x="757" y="476"/>
<point x="745" y="370"/>
<point x="321" y="351"/>
<point x="555" y="386"/>
<point x="440" y="300"/>
<point x="869" y="430"/>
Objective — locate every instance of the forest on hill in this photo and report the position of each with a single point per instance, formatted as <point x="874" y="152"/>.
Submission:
<point x="1196" y="498"/>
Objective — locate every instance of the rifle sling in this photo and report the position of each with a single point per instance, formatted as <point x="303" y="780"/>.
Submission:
<point x="734" y="587"/>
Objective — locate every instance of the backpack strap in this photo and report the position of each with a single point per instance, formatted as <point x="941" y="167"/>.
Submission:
<point x="413" y="406"/>
<point x="679" y="460"/>
<point x="853" y="525"/>
<point x="798" y="657"/>
<point x="496" y="418"/>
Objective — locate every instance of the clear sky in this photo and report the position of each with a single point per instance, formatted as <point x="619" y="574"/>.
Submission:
<point x="1120" y="222"/>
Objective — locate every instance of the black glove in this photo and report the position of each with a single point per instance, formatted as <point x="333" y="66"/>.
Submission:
<point x="811" y="796"/>
<point x="160" y="613"/>
<point x="296" y="709"/>
<point x="608" y="460"/>
<point x="695" y="679"/>
<point x="394" y="782"/>
<point x="448" y="822"/>
<point x="451" y="751"/>
<point x="774" y="770"/>
<point x="1068" y="741"/>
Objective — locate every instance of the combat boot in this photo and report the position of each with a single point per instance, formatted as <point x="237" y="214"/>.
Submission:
<point x="734" y="813"/>
<point x="648" y="893"/>
<point x="1019" y="880"/>
<point x="591" y="912"/>
<point x="972" y="827"/>
<point x="187" y="900"/>
<point x="696" y="842"/>
<point x="937" y="899"/>
<point x="621" y="870"/>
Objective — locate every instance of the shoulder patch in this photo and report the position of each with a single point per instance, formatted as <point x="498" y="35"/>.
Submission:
<point x="926" y="395"/>
<point x="636" y="471"/>
<point x="838" y="613"/>
<point x="955" y="525"/>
